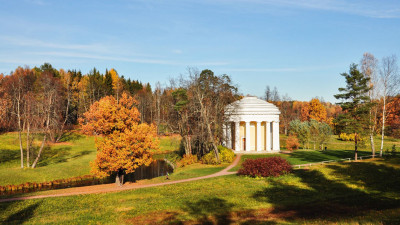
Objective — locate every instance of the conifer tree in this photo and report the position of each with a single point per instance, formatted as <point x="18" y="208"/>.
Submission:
<point x="355" y="103"/>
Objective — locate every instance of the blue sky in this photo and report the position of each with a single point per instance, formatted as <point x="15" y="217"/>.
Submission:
<point x="299" y="46"/>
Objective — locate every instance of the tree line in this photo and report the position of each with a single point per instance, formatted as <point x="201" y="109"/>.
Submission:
<point x="45" y="102"/>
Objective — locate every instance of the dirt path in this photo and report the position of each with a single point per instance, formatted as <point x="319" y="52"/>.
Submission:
<point x="103" y="188"/>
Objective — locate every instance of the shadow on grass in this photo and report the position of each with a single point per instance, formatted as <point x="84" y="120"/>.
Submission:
<point x="59" y="155"/>
<point x="375" y="177"/>
<point x="318" y="156"/>
<point x="210" y="210"/>
<point x="20" y="216"/>
<point x="219" y="211"/>
<point x="8" y="155"/>
<point x="71" y="136"/>
<point x="331" y="200"/>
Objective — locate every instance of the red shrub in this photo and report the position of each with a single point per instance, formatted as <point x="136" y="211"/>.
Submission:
<point x="265" y="167"/>
<point x="292" y="143"/>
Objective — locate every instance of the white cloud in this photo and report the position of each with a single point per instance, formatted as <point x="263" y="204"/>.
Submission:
<point x="126" y="59"/>
<point x="21" y="41"/>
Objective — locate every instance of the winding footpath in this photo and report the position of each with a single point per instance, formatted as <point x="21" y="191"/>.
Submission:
<point x="103" y="188"/>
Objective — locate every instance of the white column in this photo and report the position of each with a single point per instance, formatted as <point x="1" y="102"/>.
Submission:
<point x="247" y="136"/>
<point x="237" y="136"/>
<point x="276" y="136"/>
<point x="268" y="136"/>
<point x="258" y="130"/>
<point x="224" y="135"/>
<point x="229" y="135"/>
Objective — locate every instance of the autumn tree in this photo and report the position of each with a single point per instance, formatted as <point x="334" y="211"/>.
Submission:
<point x="287" y="112"/>
<point x="17" y="85"/>
<point x="50" y="105"/>
<point x="393" y="117"/>
<point x="210" y="94"/>
<point x="4" y="106"/>
<point x="390" y="82"/>
<point x="124" y="144"/>
<point x="369" y="66"/>
<point x="116" y="83"/>
<point x="355" y="103"/>
<point x="182" y="107"/>
<point x="314" y="110"/>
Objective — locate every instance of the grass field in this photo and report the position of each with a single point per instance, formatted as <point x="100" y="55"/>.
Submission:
<point x="340" y="193"/>
<point x="69" y="158"/>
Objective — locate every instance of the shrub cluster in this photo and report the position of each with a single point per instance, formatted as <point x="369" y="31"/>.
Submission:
<point x="265" y="167"/>
<point x="348" y="137"/>
<point x="292" y="143"/>
<point x="187" y="160"/>
<point x="85" y="180"/>
<point x="225" y="155"/>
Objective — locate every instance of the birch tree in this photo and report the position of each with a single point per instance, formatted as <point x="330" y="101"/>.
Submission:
<point x="369" y="68"/>
<point x="389" y="78"/>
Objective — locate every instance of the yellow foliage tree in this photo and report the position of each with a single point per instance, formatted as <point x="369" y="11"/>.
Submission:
<point x="116" y="83"/>
<point x="124" y="144"/>
<point x="316" y="110"/>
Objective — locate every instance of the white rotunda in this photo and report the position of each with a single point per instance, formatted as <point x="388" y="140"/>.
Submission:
<point x="252" y="125"/>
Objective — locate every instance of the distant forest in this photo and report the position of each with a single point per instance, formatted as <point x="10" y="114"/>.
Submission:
<point x="34" y="98"/>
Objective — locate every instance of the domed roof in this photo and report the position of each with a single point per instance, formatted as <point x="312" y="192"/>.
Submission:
<point x="251" y="106"/>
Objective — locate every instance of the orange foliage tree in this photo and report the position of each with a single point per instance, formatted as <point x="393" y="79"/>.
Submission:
<point x="393" y="116"/>
<point x="125" y="144"/>
<point x="314" y="111"/>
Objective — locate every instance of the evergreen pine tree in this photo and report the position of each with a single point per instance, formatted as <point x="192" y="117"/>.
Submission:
<point x="356" y="104"/>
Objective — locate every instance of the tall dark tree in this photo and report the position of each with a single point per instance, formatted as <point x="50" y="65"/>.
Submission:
<point x="267" y="95"/>
<point x="108" y="83"/>
<point x="356" y="104"/>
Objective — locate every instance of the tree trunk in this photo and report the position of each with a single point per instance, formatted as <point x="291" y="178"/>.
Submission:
<point x="19" y="135"/>
<point x="119" y="179"/>
<point x="21" y="148"/>
<point x="40" y="152"/>
<point x="27" y="145"/>
<point x="383" y="125"/>
<point x="65" y="120"/>
<point x="372" y="145"/>
<point x="355" y="147"/>
<point x="371" y="135"/>
<point x="210" y="135"/>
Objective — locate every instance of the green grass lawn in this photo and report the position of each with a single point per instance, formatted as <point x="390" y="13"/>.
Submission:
<point x="306" y="156"/>
<point x="364" y="192"/>
<point x="169" y="144"/>
<point x="335" y="144"/>
<point x="69" y="158"/>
